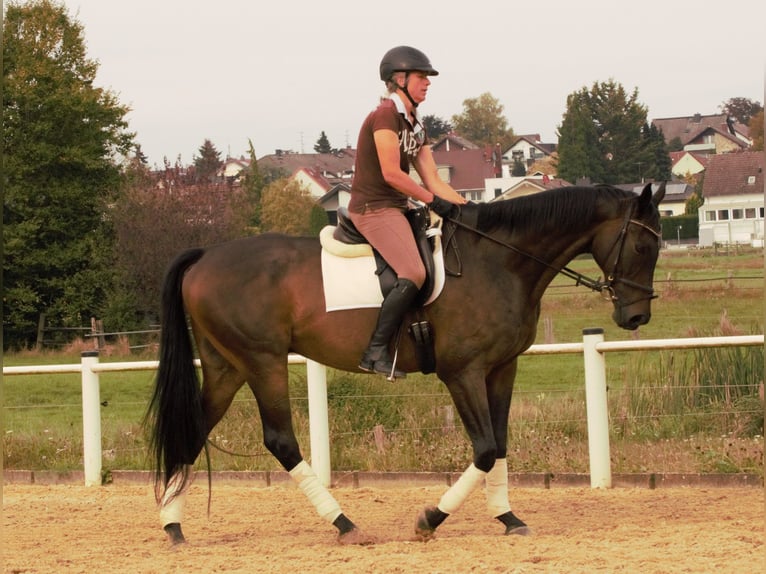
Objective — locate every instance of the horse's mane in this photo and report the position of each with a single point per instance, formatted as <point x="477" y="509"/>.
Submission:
<point x="565" y="208"/>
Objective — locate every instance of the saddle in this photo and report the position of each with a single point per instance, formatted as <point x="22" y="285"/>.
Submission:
<point x="420" y="222"/>
<point x="425" y="234"/>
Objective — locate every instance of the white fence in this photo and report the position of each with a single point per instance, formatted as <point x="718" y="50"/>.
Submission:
<point x="593" y="349"/>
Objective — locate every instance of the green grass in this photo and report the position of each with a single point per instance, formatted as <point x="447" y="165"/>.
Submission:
<point x="675" y="411"/>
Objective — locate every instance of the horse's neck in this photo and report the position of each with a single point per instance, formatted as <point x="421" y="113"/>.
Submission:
<point x="542" y="256"/>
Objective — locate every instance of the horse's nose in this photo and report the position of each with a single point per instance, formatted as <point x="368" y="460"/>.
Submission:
<point x="637" y="320"/>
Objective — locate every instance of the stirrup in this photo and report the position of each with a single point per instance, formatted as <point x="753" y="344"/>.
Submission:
<point x="382" y="367"/>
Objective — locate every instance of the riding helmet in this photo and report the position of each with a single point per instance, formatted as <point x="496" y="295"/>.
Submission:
<point x="405" y="59"/>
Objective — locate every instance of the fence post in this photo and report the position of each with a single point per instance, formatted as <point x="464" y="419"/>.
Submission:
<point x="596" y="407"/>
<point x="319" y="427"/>
<point x="91" y="419"/>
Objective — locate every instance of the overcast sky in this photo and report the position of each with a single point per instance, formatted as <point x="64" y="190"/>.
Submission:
<point x="279" y="72"/>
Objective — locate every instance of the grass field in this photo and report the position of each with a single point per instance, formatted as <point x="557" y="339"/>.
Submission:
<point x="411" y="425"/>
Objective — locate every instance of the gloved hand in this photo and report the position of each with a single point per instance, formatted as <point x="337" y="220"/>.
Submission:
<point x="441" y="207"/>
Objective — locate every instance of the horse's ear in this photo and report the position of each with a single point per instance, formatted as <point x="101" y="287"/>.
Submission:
<point x="646" y="198"/>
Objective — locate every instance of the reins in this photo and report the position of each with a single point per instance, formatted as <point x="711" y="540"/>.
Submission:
<point x="580" y="279"/>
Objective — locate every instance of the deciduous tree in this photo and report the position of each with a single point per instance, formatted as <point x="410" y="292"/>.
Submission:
<point x="62" y="137"/>
<point x="286" y="207"/>
<point x="482" y="122"/>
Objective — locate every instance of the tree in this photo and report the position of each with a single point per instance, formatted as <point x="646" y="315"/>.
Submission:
<point x="436" y="127"/>
<point x="604" y="136"/>
<point x="756" y="131"/>
<point x="208" y="163"/>
<point x="154" y="219"/>
<point x="323" y="144"/>
<point x="741" y="109"/>
<point x="518" y="169"/>
<point x="579" y="142"/>
<point x="253" y="185"/>
<point x="62" y="136"/>
<point x="286" y="207"/>
<point x="483" y="123"/>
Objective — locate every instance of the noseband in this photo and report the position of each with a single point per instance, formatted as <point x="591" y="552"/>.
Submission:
<point x="606" y="288"/>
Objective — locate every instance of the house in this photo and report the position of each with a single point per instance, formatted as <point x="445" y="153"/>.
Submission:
<point x="463" y="165"/>
<point x="712" y="134"/>
<point x="335" y="165"/>
<point x="527" y="149"/>
<point x="733" y="189"/>
<point x="232" y="168"/>
<point x="676" y="194"/>
<point x="687" y="164"/>
<point x="499" y="189"/>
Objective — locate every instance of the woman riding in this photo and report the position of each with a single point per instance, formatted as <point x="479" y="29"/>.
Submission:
<point x="391" y="139"/>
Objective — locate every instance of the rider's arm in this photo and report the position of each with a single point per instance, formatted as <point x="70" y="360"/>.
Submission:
<point x="426" y="168"/>
<point x="387" y="144"/>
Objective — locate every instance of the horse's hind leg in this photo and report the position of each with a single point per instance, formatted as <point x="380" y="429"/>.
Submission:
<point x="270" y="388"/>
<point x="220" y="383"/>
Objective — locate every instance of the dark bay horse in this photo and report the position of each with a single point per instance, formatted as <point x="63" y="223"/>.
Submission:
<point x="252" y="301"/>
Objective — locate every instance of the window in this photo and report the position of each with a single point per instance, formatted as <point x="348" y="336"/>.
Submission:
<point x="750" y="213"/>
<point x="750" y="179"/>
<point x="474" y="195"/>
<point x="723" y="214"/>
<point x="760" y="210"/>
<point x="737" y="213"/>
<point x="498" y="191"/>
<point x="710" y="216"/>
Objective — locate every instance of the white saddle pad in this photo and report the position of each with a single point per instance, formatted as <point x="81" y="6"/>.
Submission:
<point x="348" y="273"/>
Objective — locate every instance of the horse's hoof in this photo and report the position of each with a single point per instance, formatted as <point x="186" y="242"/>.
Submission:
<point x="423" y="529"/>
<point x="355" y="536"/>
<point x="175" y="535"/>
<point x="520" y="530"/>
<point x="514" y="524"/>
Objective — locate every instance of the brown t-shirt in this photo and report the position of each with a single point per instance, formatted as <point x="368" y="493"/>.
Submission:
<point x="368" y="188"/>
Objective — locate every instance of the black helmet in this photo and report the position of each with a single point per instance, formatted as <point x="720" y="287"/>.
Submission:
<point x="405" y="59"/>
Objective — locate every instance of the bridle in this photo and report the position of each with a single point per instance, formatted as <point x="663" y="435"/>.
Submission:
<point x="606" y="287"/>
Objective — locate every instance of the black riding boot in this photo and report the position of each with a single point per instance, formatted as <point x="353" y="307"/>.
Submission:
<point x="376" y="358"/>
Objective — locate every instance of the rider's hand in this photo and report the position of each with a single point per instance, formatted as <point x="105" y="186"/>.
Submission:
<point x="441" y="207"/>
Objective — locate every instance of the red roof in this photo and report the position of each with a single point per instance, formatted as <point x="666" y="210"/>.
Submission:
<point x="738" y="173"/>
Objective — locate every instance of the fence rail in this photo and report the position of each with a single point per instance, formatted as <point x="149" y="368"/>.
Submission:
<point x="593" y="348"/>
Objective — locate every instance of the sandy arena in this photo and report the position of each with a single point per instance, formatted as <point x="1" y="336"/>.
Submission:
<point x="114" y="529"/>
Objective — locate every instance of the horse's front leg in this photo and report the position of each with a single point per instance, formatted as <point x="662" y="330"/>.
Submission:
<point x="484" y="407"/>
<point x="469" y="393"/>
<point x="499" y="392"/>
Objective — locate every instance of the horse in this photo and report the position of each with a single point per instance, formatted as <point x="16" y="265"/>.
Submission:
<point x="251" y="301"/>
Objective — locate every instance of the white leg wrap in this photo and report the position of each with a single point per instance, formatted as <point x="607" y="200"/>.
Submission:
<point x="497" y="489"/>
<point x="327" y="507"/>
<point x="458" y="492"/>
<point x="173" y="501"/>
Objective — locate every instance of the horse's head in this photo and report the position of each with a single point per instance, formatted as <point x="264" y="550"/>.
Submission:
<point x="627" y="250"/>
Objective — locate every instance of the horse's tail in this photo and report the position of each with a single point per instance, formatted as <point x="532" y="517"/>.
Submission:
<point x="178" y="429"/>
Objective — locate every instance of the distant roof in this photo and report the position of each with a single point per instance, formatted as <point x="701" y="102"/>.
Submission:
<point x="702" y="158"/>
<point x="468" y="167"/>
<point x="339" y="162"/>
<point x="452" y="141"/>
<point x="687" y="128"/>
<point x="738" y="173"/>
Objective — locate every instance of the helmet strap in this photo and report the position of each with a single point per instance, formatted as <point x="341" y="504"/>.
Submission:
<point x="406" y="91"/>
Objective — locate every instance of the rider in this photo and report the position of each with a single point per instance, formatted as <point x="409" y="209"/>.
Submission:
<point x="391" y="138"/>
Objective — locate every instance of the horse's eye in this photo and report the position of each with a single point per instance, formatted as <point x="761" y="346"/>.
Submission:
<point x="641" y="248"/>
